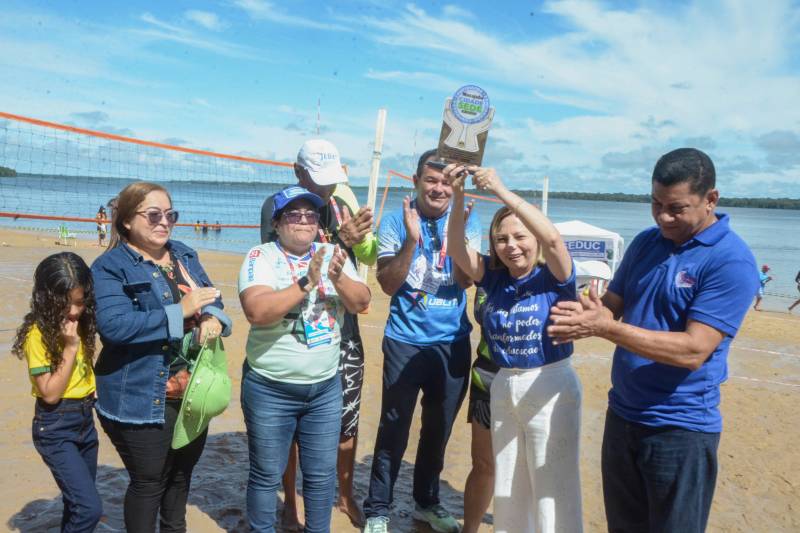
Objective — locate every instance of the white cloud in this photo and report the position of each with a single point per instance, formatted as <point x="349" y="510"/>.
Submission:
<point x="163" y="31"/>
<point x="266" y="11"/>
<point x="454" y="11"/>
<point x="637" y="80"/>
<point x="207" y="20"/>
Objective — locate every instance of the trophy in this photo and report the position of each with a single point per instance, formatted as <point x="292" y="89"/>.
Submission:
<point x="465" y="126"/>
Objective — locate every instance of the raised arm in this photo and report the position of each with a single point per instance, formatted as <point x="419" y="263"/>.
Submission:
<point x="393" y="271"/>
<point x="554" y="250"/>
<point x="466" y="259"/>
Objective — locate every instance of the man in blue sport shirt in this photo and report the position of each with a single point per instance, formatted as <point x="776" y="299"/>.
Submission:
<point x="425" y="347"/>
<point x="682" y="291"/>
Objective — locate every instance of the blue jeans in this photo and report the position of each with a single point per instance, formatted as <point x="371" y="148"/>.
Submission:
<point x="657" y="479"/>
<point x="441" y="372"/>
<point x="65" y="437"/>
<point x="275" y="414"/>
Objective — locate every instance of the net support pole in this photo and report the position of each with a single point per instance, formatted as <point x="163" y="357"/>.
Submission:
<point x="374" y="172"/>
<point x="545" y="193"/>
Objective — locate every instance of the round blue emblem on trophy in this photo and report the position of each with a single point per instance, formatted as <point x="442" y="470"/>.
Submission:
<point x="470" y="104"/>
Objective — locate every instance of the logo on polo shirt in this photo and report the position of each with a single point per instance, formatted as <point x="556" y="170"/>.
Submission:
<point x="684" y="280"/>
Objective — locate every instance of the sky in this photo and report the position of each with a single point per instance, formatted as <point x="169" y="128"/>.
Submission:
<point x="587" y="93"/>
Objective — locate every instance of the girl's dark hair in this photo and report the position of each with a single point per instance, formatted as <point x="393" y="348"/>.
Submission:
<point x="54" y="278"/>
<point x="128" y="200"/>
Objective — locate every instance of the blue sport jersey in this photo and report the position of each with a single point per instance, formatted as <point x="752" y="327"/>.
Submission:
<point x="516" y="312"/>
<point x="710" y="279"/>
<point x="429" y="308"/>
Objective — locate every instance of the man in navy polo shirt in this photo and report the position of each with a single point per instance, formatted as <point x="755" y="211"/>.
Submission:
<point x="682" y="291"/>
<point x="426" y="346"/>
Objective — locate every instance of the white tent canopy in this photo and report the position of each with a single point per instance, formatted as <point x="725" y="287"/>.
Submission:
<point x="590" y="243"/>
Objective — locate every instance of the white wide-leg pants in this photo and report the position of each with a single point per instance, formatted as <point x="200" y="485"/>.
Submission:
<point x="536" y="416"/>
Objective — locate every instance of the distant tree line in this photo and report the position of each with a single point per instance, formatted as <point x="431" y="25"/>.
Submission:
<point x="763" y="203"/>
<point x="7" y="172"/>
<point x="535" y="196"/>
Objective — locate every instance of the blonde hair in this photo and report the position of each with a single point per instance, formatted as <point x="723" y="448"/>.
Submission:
<point x="494" y="261"/>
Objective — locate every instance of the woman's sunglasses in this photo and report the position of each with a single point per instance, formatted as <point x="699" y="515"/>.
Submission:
<point x="154" y="216"/>
<point x="296" y="217"/>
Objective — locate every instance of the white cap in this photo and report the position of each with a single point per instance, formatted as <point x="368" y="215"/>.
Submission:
<point x="321" y="159"/>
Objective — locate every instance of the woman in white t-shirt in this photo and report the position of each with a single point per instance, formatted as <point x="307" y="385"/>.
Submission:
<point x="294" y="293"/>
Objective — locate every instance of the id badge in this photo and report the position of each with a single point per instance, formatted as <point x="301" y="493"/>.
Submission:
<point x="431" y="282"/>
<point x="416" y="274"/>
<point x="317" y="326"/>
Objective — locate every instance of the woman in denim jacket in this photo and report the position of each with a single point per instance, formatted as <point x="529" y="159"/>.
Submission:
<point x="150" y="292"/>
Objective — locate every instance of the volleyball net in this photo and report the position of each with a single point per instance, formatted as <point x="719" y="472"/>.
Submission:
<point x="54" y="174"/>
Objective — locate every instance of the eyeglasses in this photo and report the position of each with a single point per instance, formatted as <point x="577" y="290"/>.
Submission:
<point x="296" y="217"/>
<point x="154" y="216"/>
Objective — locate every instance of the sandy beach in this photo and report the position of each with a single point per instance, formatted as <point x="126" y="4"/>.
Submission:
<point x="758" y="488"/>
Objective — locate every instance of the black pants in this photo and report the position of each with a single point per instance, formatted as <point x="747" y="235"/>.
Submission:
<point x="441" y="372"/>
<point x="657" y="479"/>
<point x="160" y="476"/>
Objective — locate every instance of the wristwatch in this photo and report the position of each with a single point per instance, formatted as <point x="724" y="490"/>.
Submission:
<point x="304" y="284"/>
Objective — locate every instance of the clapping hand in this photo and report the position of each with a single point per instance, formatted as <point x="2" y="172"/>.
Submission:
<point x="336" y="265"/>
<point x="315" y="267"/>
<point x="194" y="301"/>
<point x="355" y="228"/>
<point x="410" y="220"/>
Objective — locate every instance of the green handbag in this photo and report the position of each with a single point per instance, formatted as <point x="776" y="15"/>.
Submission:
<point x="207" y="394"/>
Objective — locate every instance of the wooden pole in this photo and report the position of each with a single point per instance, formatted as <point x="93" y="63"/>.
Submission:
<point x="374" y="172"/>
<point x="545" y="193"/>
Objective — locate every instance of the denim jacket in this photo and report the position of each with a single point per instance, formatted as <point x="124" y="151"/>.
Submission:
<point x="141" y="328"/>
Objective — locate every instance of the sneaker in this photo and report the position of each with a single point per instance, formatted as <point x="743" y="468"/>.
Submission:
<point x="438" y="518"/>
<point x="377" y="524"/>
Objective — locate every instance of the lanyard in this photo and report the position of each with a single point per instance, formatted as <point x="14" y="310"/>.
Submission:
<point x="443" y="251"/>
<point x="337" y="213"/>
<point x="320" y="286"/>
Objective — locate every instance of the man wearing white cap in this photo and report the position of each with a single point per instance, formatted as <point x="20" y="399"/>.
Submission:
<point x="319" y="170"/>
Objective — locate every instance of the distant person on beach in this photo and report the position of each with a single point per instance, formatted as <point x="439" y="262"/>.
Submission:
<point x="796" y="302"/>
<point x="319" y="170"/>
<point x="205" y="228"/>
<point x="112" y="211"/>
<point x="100" y="220"/>
<point x="763" y="279"/>
<point x="426" y="346"/>
<point x="197" y="227"/>
<point x="681" y="292"/>
<point x="535" y="397"/>
<point x="151" y="292"/>
<point x="295" y="293"/>
<point x="57" y="338"/>
<point x="217" y="227"/>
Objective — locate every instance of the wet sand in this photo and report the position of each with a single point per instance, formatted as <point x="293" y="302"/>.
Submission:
<point x="758" y="488"/>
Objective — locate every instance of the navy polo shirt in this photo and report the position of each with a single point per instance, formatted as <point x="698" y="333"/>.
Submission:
<point x="710" y="279"/>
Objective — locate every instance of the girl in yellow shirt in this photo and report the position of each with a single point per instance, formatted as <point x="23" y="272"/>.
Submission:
<point x="57" y="339"/>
